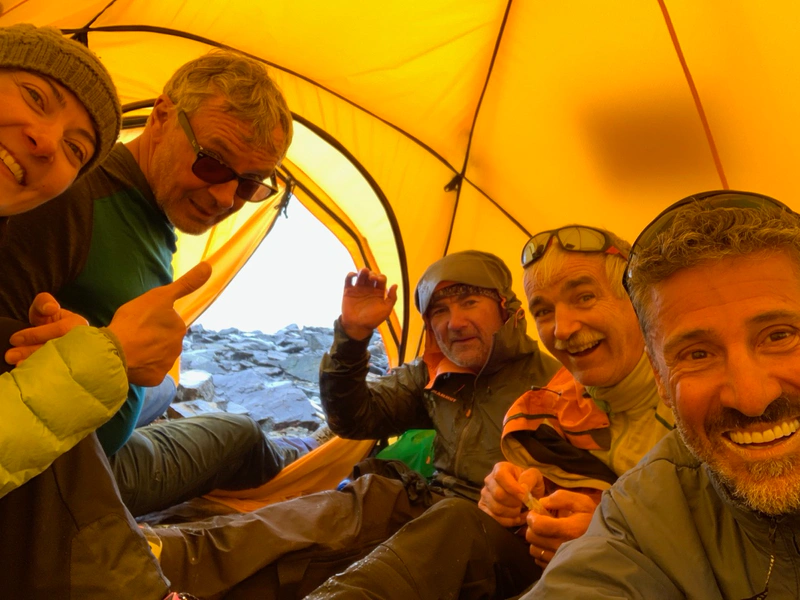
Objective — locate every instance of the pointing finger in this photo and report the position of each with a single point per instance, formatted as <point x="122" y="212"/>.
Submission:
<point x="191" y="281"/>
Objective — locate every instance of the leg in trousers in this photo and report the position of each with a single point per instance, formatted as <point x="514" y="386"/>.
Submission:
<point x="164" y="464"/>
<point x="212" y="556"/>
<point x="66" y="534"/>
<point x="454" y="550"/>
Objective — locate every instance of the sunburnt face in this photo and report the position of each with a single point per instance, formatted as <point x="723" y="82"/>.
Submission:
<point x="464" y="327"/>
<point x="191" y="204"/>
<point x="46" y="137"/>
<point x="726" y="352"/>
<point x="582" y="323"/>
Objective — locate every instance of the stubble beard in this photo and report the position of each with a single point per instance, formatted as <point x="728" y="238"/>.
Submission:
<point x="771" y="487"/>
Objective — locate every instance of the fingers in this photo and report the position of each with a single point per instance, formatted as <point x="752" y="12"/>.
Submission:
<point x="541" y="556"/>
<point x="392" y="294"/>
<point x="533" y="480"/>
<point x="15" y="356"/>
<point x="505" y="516"/>
<point x="502" y="496"/>
<point x="565" y="502"/>
<point x="550" y="532"/>
<point x="189" y="282"/>
<point x="504" y="484"/>
<point x="36" y="336"/>
<point x="44" y="306"/>
<point x="367" y="278"/>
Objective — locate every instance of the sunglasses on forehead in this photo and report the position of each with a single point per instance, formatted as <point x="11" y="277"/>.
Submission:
<point x="212" y="170"/>
<point x="574" y="238"/>
<point x="709" y="200"/>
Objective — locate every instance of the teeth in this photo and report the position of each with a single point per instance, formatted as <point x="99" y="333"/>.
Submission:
<point x="577" y="349"/>
<point x="784" y="429"/>
<point x="13" y="165"/>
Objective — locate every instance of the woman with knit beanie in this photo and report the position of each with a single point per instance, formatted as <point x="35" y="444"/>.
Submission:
<point x="60" y="117"/>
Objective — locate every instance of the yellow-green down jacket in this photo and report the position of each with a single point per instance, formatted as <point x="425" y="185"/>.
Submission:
<point x="57" y="397"/>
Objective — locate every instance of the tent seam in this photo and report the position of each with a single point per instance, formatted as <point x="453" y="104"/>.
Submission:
<point x="695" y="95"/>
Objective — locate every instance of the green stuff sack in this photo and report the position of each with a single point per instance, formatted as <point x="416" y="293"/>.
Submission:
<point x="415" y="449"/>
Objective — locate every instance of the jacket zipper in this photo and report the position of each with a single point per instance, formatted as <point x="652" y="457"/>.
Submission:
<point x="463" y="435"/>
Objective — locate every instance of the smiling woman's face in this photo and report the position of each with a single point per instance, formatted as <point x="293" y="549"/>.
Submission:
<point x="46" y="137"/>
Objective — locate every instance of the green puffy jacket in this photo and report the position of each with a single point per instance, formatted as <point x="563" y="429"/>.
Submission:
<point x="58" y="396"/>
<point x="668" y="530"/>
<point x="465" y="410"/>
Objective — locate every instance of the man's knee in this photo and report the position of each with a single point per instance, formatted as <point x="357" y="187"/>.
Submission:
<point x="454" y="511"/>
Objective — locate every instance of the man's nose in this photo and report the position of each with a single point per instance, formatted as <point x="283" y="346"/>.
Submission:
<point x="566" y="322"/>
<point x="458" y="318"/>
<point x="224" y="194"/>
<point x="749" y="385"/>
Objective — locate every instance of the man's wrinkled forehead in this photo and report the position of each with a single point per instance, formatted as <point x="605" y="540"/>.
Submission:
<point x="569" y="272"/>
<point x="460" y="290"/>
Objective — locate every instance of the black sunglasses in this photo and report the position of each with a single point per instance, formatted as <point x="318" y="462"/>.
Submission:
<point x="574" y="238"/>
<point x="212" y="170"/>
<point x="714" y="199"/>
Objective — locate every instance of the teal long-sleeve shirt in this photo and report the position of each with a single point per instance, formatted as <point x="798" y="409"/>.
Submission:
<point x="131" y="250"/>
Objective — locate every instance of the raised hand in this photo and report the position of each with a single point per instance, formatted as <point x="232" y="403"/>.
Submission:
<point x="572" y="512"/>
<point x="49" y="321"/>
<point x="504" y="492"/>
<point x="151" y="331"/>
<point x="365" y="303"/>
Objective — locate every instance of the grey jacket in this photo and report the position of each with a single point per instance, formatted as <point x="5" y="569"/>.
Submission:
<point x="466" y="410"/>
<point x="667" y="529"/>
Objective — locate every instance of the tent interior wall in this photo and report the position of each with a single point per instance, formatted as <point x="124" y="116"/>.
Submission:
<point x="543" y="113"/>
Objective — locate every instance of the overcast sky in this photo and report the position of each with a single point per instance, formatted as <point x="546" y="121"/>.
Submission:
<point x="295" y="276"/>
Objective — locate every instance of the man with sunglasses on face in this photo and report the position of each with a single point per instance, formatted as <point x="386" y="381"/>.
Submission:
<point x="567" y="441"/>
<point x="211" y="143"/>
<point x="713" y="511"/>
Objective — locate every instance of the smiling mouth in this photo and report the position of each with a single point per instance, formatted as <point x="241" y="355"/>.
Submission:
<point x="766" y="435"/>
<point x="11" y="163"/>
<point x="203" y="212"/>
<point x="583" y="350"/>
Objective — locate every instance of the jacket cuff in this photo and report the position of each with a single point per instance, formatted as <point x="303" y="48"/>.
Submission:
<point x="117" y="345"/>
<point x="346" y="347"/>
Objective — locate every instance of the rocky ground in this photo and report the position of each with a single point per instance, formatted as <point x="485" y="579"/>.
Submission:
<point x="271" y="377"/>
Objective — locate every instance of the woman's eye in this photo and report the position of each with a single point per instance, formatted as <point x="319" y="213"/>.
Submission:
<point x="35" y="96"/>
<point x="77" y="151"/>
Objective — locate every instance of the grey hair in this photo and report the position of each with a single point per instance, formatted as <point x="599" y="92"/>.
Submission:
<point x="544" y="270"/>
<point x="701" y="234"/>
<point x="248" y="92"/>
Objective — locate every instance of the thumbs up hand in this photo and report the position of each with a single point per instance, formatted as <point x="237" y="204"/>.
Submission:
<point x="151" y="331"/>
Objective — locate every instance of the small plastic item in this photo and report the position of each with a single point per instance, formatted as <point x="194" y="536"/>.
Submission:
<point x="536" y="506"/>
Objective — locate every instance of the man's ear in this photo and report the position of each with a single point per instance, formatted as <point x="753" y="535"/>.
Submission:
<point x="662" y="389"/>
<point x="159" y="116"/>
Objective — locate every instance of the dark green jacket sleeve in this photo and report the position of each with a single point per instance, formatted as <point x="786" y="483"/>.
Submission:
<point x="361" y="410"/>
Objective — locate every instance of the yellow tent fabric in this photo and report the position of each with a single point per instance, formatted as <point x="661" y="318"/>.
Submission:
<point x="545" y="112"/>
<point x="329" y="465"/>
<point x="431" y="126"/>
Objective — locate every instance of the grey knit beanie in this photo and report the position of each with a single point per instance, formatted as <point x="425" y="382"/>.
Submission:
<point x="46" y="51"/>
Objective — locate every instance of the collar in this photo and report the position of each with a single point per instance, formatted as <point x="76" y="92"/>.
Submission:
<point x="636" y="390"/>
